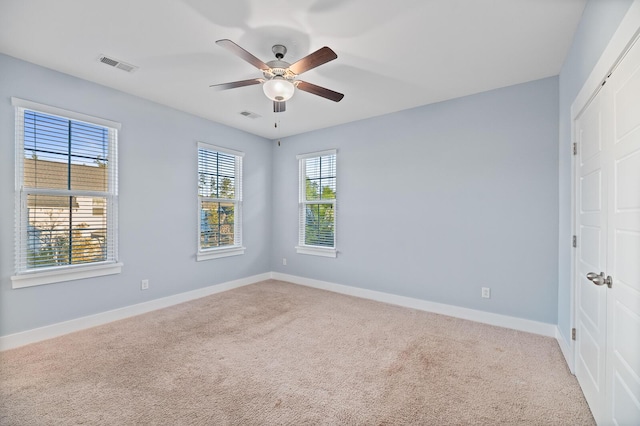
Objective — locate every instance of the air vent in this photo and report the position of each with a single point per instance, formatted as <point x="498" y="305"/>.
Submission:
<point x="250" y="114"/>
<point x="117" y="64"/>
<point x="108" y="61"/>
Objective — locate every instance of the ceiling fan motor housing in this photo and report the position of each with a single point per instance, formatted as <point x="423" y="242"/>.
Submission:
<point x="278" y="68"/>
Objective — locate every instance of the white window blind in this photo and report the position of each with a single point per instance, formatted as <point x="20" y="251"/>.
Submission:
<point x="66" y="192"/>
<point x="219" y="202"/>
<point x="317" y="203"/>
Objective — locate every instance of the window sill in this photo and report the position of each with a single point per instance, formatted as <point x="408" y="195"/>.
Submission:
<point x="317" y="251"/>
<point x="34" y="278"/>
<point x="218" y="253"/>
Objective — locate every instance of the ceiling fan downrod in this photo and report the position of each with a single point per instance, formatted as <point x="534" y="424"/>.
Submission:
<point x="279" y="50"/>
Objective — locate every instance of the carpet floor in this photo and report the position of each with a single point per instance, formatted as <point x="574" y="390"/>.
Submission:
<point x="278" y="353"/>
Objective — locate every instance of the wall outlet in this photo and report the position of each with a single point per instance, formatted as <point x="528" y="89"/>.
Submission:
<point x="284" y="261"/>
<point x="486" y="292"/>
<point x="144" y="285"/>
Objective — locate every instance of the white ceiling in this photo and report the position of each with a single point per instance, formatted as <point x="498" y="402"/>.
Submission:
<point x="392" y="55"/>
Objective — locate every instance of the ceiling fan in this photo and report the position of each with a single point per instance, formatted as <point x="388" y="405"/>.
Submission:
<point x="279" y="82"/>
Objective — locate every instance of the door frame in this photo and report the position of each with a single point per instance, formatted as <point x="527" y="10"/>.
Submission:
<point x="628" y="31"/>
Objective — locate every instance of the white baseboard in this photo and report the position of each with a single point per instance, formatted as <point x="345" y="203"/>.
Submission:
<point x="37" y="334"/>
<point x="567" y="350"/>
<point x="505" y="321"/>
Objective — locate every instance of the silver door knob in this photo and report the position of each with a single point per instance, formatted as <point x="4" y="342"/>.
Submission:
<point x="599" y="279"/>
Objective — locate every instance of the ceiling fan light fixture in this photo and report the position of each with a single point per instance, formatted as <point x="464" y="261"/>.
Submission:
<point x="278" y="89"/>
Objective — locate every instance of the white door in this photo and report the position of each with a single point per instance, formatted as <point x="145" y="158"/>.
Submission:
<point x="608" y="227"/>
<point x="591" y="300"/>
<point x="623" y="246"/>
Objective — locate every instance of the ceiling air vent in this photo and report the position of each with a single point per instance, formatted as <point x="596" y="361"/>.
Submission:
<point x="250" y="114"/>
<point x="117" y="64"/>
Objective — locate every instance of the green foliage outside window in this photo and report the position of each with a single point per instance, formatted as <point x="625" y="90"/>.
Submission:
<point x="319" y="218"/>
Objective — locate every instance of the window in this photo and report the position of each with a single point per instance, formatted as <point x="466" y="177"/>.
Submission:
<point x="219" y="202"/>
<point x="66" y="195"/>
<point x="317" y="204"/>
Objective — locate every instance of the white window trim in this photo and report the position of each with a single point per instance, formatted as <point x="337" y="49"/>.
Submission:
<point x="317" y="154"/>
<point x="65" y="273"/>
<point x="65" y="113"/>
<point x="317" y="251"/>
<point x="218" y="252"/>
<point x="303" y="248"/>
<point x="56" y="274"/>
<point x="227" y="251"/>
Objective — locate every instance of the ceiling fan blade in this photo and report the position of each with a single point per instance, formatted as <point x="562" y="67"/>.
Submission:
<point x="240" y="52"/>
<point x="320" y="91"/>
<point x="233" y="85"/>
<point x="315" y="59"/>
<point x="279" y="106"/>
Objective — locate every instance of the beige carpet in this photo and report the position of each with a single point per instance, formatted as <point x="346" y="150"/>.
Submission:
<point x="277" y="353"/>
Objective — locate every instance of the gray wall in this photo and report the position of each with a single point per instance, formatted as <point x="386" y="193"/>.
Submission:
<point x="438" y="201"/>
<point x="158" y="181"/>
<point x="599" y="21"/>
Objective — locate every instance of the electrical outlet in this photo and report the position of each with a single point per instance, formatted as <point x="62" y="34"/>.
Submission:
<point x="144" y="285"/>
<point x="486" y="292"/>
<point x="284" y="261"/>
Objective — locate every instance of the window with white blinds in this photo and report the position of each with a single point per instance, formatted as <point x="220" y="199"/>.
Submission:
<point x="66" y="195"/>
<point x="317" y="203"/>
<point x="219" y="202"/>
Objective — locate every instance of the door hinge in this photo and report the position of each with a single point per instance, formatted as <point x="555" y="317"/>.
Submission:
<point x="573" y="334"/>
<point x="574" y="241"/>
<point x="575" y="148"/>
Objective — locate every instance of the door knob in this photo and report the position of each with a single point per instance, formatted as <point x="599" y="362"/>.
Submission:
<point x="599" y="279"/>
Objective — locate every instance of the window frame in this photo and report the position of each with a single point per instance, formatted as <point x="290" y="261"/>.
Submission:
<point x="302" y="248"/>
<point x="28" y="277"/>
<point x="237" y="248"/>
